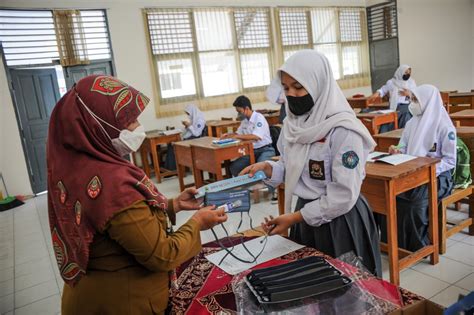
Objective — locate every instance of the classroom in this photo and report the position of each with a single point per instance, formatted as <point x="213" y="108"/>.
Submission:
<point x="219" y="157"/>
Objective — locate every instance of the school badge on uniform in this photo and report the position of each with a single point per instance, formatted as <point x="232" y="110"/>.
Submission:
<point x="316" y="170"/>
<point x="350" y="159"/>
<point x="433" y="149"/>
<point x="451" y="135"/>
<point x="259" y="124"/>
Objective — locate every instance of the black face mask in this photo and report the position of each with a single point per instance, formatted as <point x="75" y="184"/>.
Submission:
<point x="300" y="105"/>
<point x="405" y="77"/>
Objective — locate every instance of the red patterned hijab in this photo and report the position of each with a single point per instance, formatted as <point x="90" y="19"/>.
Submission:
<point x="88" y="181"/>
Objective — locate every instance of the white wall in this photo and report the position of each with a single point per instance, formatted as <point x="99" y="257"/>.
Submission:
<point x="129" y="46"/>
<point x="436" y="40"/>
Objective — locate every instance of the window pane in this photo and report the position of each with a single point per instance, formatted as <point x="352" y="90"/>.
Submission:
<point x="213" y="30"/>
<point x="176" y="78"/>
<point x="294" y="27"/>
<point x="219" y="73"/>
<point x="349" y="21"/>
<point x="324" y="26"/>
<point x="330" y="51"/>
<point x="287" y="53"/>
<point x="252" y="28"/>
<point x="351" y="60"/>
<point x="255" y="70"/>
<point x="170" y="32"/>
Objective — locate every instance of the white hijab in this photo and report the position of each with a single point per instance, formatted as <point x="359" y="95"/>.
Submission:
<point x="331" y="109"/>
<point x="194" y="113"/>
<point x="400" y="84"/>
<point x="425" y="129"/>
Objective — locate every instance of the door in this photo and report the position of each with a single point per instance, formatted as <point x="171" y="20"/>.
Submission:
<point x="383" y="42"/>
<point x="36" y="93"/>
<point x="75" y="73"/>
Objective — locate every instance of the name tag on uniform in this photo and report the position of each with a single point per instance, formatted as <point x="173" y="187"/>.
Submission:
<point x="316" y="170"/>
<point x="433" y="149"/>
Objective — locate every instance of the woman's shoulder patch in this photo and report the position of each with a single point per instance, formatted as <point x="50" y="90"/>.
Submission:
<point x="350" y="159"/>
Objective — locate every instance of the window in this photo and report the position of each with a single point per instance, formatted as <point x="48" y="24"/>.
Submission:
<point x="335" y="32"/>
<point x="29" y="36"/>
<point x="213" y="52"/>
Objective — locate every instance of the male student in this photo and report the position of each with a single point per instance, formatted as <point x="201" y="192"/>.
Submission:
<point x="253" y="127"/>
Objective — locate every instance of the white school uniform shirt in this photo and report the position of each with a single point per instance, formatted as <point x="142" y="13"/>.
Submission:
<point x="335" y="187"/>
<point x="256" y="125"/>
<point x="432" y="133"/>
<point x="391" y="88"/>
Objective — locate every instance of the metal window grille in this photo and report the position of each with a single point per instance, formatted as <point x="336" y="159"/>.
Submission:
<point x="252" y="28"/>
<point x="294" y="27"/>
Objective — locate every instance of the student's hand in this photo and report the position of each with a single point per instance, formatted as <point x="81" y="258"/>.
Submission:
<point x="186" y="123"/>
<point x="209" y="217"/>
<point x="373" y="97"/>
<point x="186" y="200"/>
<point x="228" y="135"/>
<point x="404" y="92"/>
<point x="394" y="150"/>
<point x="281" y="224"/>
<point x="260" y="166"/>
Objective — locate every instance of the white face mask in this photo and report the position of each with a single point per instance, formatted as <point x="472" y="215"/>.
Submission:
<point x="415" y="109"/>
<point x="127" y="142"/>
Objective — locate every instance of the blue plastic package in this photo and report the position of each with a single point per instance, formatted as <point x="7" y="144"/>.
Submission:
<point x="231" y="201"/>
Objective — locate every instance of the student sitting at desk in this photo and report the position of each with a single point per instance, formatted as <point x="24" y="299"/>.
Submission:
<point x="323" y="149"/>
<point x="429" y="133"/>
<point x="398" y="88"/>
<point x="195" y="125"/>
<point x="254" y="127"/>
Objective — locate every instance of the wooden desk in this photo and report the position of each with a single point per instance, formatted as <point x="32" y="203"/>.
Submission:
<point x="218" y="127"/>
<point x="272" y="118"/>
<point x="459" y="98"/>
<point x="153" y="140"/>
<point x="363" y="102"/>
<point x="378" y="106"/>
<point x="373" y="121"/>
<point x="184" y="158"/>
<point x="208" y="157"/>
<point x="386" y="139"/>
<point x="465" y="117"/>
<point x="381" y="186"/>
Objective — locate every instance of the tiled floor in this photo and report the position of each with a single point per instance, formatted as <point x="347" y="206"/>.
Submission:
<point x="30" y="283"/>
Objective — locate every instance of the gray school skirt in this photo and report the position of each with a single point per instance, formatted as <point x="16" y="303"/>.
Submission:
<point x="354" y="231"/>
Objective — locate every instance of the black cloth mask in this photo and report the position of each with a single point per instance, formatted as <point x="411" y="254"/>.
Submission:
<point x="405" y="77"/>
<point x="300" y="105"/>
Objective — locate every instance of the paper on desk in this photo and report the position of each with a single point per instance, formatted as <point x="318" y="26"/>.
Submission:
<point x="172" y="131"/>
<point x="384" y="111"/>
<point x="394" y="159"/>
<point x="276" y="246"/>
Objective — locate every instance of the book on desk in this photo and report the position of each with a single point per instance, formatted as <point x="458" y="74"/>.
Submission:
<point x="393" y="159"/>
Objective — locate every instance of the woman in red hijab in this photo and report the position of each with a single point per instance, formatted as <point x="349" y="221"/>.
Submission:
<point x="114" y="247"/>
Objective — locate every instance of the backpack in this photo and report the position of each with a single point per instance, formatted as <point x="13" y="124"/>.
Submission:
<point x="462" y="171"/>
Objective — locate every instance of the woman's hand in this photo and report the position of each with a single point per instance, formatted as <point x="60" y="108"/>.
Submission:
<point x="404" y="92"/>
<point x="261" y="166"/>
<point x="186" y="123"/>
<point x="393" y="149"/>
<point x="229" y="135"/>
<point x="280" y="225"/>
<point x="186" y="200"/>
<point x="209" y="217"/>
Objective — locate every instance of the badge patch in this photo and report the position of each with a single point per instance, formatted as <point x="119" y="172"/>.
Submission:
<point x="199" y="125"/>
<point x="316" y="170"/>
<point x="259" y="124"/>
<point x="433" y="149"/>
<point x="350" y="159"/>
<point x="451" y="135"/>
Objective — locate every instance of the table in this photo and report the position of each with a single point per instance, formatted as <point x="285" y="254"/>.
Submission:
<point x="204" y="289"/>
<point x="363" y="102"/>
<point x="386" y="139"/>
<point x="465" y="117"/>
<point x="457" y="98"/>
<point x="373" y="121"/>
<point x="153" y="139"/>
<point x="208" y="157"/>
<point x="381" y="186"/>
<point x="184" y="158"/>
<point x="218" y="127"/>
<point x="272" y="116"/>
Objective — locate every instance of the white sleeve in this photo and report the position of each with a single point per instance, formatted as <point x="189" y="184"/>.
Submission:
<point x="402" y="144"/>
<point x="278" y="168"/>
<point x="197" y="127"/>
<point x="386" y="88"/>
<point x="348" y="171"/>
<point x="261" y="129"/>
<point x="239" y="130"/>
<point x="448" y="151"/>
